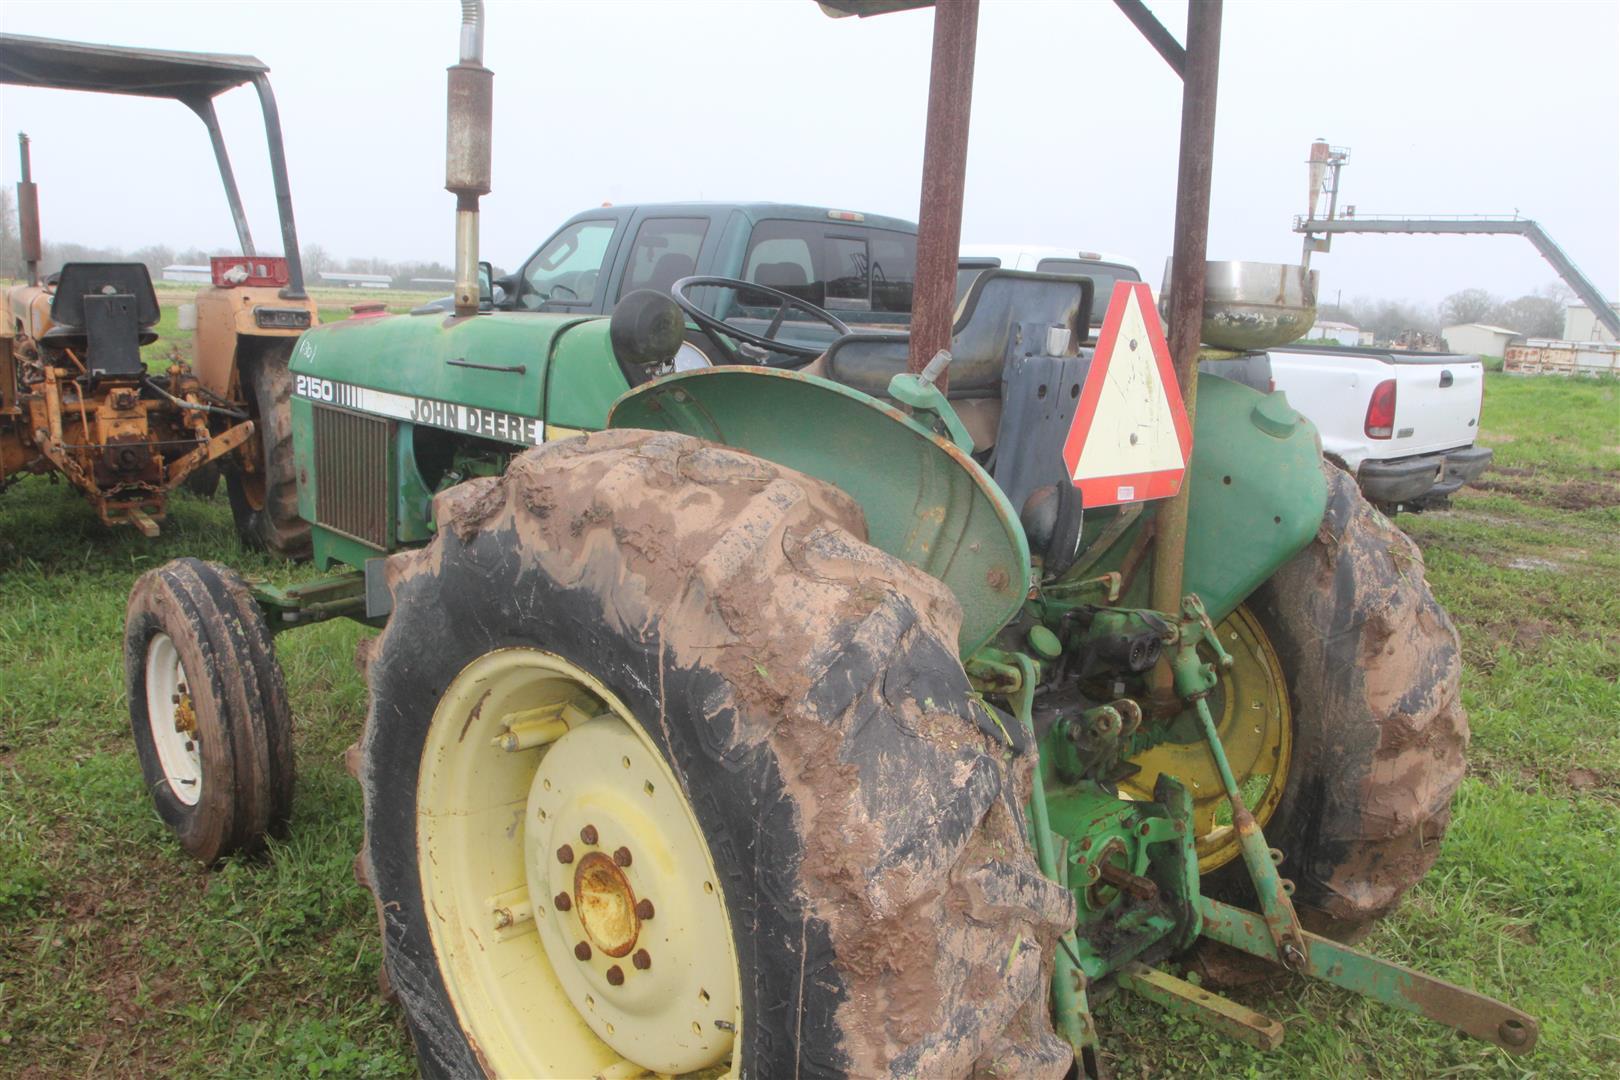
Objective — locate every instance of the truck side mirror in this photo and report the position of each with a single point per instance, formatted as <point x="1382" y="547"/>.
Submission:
<point x="486" y="286"/>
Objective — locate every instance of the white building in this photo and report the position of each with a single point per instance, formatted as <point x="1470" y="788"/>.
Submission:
<point x="1581" y="325"/>
<point x="1342" y="332"/>
<point x="1480" y="339"/>
<point x="356" y="281"/>
<point x="184" y="272"/>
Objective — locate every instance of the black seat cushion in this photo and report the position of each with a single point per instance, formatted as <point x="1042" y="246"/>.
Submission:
<point x="77" y="280"/>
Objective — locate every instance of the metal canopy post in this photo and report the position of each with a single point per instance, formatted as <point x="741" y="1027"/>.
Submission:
<point x="278" y="173"/>
<point x="939" y="215"/>
<point x="204" y="109"/>
<point x="1186" y="314"/>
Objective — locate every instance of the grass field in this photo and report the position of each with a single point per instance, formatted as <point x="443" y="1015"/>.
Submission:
<point x="119" y="957"/>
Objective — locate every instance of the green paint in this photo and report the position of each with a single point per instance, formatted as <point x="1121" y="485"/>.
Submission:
<point x="925" y="501"/>
<point x="1257" y="499"/>
<point x="1382" y="980"/>
<point x="424" y="359"/>
<point x="1045" y="643"/>
<point x="334" y="596"/>
<point x="411" y="354"/>
<point x="930" y="407"/>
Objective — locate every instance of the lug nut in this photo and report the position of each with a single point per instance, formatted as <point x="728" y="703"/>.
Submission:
<point x="565" y="854"/>
<point x="644" y="909"/>
<point x="562" y="901"/>
<point x="622" y="856"/>
<point x="642" y="960"/>
<point x="582" y="951"/>
<point x="615" y="975"/>
<point x="588" y="834"/>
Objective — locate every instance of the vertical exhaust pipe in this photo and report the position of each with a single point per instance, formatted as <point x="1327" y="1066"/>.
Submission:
<point x="467" y="148"/>
<point x="28" y="212"/>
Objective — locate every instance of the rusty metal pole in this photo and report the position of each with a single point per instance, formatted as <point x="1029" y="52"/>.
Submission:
<point x="939" y="215"/>
<point x="1186" y="313"/>
<point x="28" y="212"/>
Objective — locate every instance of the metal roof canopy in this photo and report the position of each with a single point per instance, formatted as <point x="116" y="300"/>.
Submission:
<point x="193" y="79"/>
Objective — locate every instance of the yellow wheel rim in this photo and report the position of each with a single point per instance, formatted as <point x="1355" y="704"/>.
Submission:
<point x="573" y="904"/>
<point x="1257" y="731"/>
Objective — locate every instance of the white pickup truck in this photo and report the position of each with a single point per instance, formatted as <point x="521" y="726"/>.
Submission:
<point x="1404" y="423"/>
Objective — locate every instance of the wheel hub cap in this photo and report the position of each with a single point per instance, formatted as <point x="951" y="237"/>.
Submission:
<point x="573" y="905"/>
<point x="635" y="946"/>
<point x="172" y="719"/>
<point x="606" y="905"/>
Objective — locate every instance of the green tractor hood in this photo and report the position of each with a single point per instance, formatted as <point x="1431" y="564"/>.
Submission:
<point x="484" y="376"/>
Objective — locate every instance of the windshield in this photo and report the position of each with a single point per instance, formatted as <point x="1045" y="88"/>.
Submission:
<point x="565" y="271"/>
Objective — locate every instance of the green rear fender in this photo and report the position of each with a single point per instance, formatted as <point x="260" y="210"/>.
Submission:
<point x="1258" y="496"/>
<point x="1258" y="492"/>
<point x="925" y="501"/>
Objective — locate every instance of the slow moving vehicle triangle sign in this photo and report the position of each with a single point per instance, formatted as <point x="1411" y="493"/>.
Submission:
<point x="1129" y="440"/>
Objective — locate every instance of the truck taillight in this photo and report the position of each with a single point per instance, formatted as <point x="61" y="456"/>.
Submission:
<point x="1381" y="411"/>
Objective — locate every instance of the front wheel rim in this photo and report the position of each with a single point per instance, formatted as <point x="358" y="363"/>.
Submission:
<point x="574" y="906"/>
<point x="171" y="717"/>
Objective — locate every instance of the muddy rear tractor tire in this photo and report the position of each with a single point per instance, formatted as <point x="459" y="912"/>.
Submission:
<point x="666" y="767"/>
<point x="1372" y="665"/>
<point x="264" y="501"/>
<point x="208" y="708"/>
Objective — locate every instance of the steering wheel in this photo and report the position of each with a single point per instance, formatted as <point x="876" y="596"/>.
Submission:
<point x="718" y="330"/>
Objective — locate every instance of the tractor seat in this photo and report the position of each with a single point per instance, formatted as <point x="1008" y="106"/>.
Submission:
<point x="76" y="337"/>
<point x="1004" y="313"/>
<point x="106" y="309"/>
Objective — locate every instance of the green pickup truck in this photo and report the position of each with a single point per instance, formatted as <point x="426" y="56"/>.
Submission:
<point x="859" y="266"/>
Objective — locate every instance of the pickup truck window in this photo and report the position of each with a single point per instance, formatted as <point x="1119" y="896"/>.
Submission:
<point x="664" y="251"/>
<point x="1102" y="274"/>
<point x="564" y="272"/>
<point x="838" y="266"/>
<point x="969" y="269"/>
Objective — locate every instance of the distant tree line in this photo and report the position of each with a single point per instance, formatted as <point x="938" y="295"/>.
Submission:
<point x="1539" y="314"/>
<point x="156" y="256"/>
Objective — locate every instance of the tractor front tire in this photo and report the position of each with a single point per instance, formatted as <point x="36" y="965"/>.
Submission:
<point x="264" y="502"/>
<point x="1372" y="664"/>
<point x="208" y="708"/>
<point x="645" y="645"/>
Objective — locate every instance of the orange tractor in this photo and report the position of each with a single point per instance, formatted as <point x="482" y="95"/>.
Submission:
<point x="78" y="399"/>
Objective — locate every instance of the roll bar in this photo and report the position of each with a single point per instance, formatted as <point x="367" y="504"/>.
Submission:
<point x="194" y="80"/>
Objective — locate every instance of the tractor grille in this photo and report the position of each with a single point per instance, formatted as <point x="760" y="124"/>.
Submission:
<point x="351" y="474"/>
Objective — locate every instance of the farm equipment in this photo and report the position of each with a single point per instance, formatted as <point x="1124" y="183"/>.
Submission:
<point x="77" y="398"/>
<point x="769" y="719"/>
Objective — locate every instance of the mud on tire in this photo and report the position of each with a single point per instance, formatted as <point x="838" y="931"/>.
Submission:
<point x="888" y="915"/>
<point x="265" y="507"/>
<point x="230" y="682"/>
<point x="1372" y="663"/>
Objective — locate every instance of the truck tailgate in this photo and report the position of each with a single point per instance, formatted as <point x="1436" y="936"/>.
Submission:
<point x="1437" y="402"/>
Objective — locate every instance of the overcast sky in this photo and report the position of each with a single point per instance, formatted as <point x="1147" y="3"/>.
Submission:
<point x="1452" y="107"/>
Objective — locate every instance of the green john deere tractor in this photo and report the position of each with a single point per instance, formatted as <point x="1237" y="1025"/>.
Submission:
<point x="807" y="716"/>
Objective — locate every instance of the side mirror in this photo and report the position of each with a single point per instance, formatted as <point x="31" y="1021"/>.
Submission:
<point x="486" y="286"/>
